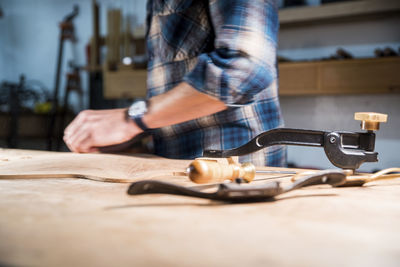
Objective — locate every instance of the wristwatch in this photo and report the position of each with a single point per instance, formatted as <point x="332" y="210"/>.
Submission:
<point x="136" y="112"/>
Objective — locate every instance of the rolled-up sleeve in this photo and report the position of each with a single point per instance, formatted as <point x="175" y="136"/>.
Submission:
<point x="243" y="61"/>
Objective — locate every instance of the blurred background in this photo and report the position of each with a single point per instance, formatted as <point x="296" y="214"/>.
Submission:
<point x="58" y="57"/>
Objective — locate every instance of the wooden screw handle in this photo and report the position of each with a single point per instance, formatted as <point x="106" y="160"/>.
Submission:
<point x="370" y="120"/>
<point x="203" y="171"/>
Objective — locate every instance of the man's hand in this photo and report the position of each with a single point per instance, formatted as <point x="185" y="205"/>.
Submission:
<point x="93" y="129"/>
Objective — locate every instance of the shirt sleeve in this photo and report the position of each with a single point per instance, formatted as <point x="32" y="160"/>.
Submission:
<point x="243" y="61"/>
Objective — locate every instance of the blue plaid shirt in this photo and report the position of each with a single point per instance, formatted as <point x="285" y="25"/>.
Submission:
<point x="226" y="49"/>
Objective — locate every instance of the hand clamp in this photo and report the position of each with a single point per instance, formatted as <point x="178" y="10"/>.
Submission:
<point x="346" y="150"/>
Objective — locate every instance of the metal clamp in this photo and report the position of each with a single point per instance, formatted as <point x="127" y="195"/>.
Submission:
<point x="346" y="150"/>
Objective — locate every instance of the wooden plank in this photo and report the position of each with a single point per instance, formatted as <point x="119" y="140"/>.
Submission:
<point x="127" y="38"/>
<point x="113" y="40"/>
<point x="337" y="12"/>
<point x="361" y="76"/>
<point x="355" y="76"/>
<point x="95" y="40"/>
<point x="72" y="222"/>
<point x="117" y="34"/>
<point x="97" y="166"/>
<point x="298" y="78"/>
<point x="109" y="37"/>
<point x="101" y="167"/>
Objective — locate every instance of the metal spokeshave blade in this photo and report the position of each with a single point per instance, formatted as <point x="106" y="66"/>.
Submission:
<point x="233" y="192"/>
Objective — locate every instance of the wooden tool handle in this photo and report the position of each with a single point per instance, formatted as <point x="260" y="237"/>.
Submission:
<point x="203" y="171"/>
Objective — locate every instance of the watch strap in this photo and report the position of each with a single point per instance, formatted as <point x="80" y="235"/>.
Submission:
<point x="139" y="122"/>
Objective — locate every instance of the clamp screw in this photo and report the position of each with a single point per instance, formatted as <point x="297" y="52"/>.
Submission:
<point x="370" y="120"/>
<point x="332" y="140"/>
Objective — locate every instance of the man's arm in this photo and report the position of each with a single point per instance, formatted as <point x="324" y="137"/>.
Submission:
<point x="183" y="103"/>
<point x="92" y="129"/>
<point x="241" y="66"/>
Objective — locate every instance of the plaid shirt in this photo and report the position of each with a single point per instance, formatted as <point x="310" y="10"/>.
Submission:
<point x="226" y="49"/>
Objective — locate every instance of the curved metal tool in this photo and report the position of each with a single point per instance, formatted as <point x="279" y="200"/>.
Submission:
<point x="346" y="150"/>
<point x="234" y="192"/>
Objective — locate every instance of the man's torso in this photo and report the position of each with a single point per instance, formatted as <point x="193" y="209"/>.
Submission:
<point x="178" y="32"/>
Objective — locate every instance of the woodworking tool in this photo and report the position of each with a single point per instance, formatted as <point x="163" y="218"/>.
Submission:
<point x="386" y="52"/>
<point x="360" y="179"/>
<point x="241" y="181"/>
<point x="346" y="150"/>
<point x="203" y="171"/>
<point x="341" y="54"/>
<point x="234" y="192"/>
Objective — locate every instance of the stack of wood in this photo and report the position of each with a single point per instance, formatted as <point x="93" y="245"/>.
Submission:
<point x="122" y="77"/>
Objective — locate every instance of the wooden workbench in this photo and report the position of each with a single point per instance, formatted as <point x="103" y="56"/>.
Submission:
<point x="77" y="222"/>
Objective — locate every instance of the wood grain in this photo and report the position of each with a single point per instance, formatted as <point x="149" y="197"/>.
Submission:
<point x="100" y="167"/>
<point x="15" y="164"/>
<point x="78" y="222"/>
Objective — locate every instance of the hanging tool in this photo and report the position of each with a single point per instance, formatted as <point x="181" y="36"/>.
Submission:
<point x="341" y="54"/>
<point x="386" y="52"/>
<point x="234" y="192"/>
<point x="18" y="99"/>
<point x="67" y="33"/>
<point x="346" y="150"/>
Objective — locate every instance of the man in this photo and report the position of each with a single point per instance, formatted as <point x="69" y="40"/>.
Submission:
<point x="212" y="82"/>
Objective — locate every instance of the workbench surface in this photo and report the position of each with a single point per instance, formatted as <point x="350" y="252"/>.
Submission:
<point x="77" y="222"/>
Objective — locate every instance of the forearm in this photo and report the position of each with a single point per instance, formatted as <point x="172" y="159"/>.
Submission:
<point x="182" y="103"/>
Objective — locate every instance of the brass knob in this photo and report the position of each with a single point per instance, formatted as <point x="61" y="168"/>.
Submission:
<point x="370" y="120"/>
<point x="203" y="171"/>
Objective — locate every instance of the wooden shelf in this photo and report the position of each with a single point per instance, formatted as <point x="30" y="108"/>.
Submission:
<point x="338" y="12"/>
<point x="355" y="76"/>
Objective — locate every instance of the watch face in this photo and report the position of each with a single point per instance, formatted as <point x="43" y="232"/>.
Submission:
<point x="137" y="109"/>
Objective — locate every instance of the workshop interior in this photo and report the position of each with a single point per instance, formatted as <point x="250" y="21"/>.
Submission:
<point x="338" y="65"/>
<point x="86" y="55"/>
